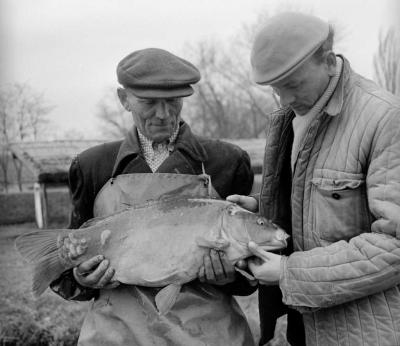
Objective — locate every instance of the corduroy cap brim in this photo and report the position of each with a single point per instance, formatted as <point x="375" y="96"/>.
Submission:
<point x="284" y="44"/>
<point x="155" y="93"/>
<point x="156" y="73"/>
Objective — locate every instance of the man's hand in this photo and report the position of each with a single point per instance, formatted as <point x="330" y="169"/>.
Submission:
<point x="247" y="202"/>
<point x="266" y="267"/>
<point x="95" y="273"/>
<point x="216" y="269"/>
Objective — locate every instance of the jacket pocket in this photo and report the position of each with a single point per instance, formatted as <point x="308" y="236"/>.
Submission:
<point x="340" y="208"/>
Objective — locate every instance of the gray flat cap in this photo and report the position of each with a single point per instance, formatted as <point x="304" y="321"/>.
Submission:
<point x="284" y="43"/>
<point x="156" y="73"/>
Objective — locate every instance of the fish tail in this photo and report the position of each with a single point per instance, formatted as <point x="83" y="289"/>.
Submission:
<point x="41" y="248"/>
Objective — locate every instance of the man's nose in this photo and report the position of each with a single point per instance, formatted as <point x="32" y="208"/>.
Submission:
<point x="286" y="98"/>
<point x="162" y="111"/>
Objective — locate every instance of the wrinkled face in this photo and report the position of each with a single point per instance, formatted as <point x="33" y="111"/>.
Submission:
<point x="302" y="89"/>
<point x="156" y="119"/>
<point x="244" y="226"/>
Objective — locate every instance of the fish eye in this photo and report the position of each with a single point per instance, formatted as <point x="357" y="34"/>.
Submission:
<point x="260" y="222"/>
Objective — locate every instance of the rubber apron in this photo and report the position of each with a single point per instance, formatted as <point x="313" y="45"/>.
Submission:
<point x="202" y="314"/>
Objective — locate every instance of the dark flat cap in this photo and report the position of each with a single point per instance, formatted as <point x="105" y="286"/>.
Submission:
<point x="156" y="73"/>
<point x="285" y="42"/>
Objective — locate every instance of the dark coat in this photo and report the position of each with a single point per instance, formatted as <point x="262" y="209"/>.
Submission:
<point x="227" y="164"/>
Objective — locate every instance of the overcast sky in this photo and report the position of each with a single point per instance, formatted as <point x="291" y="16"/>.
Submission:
<point x="69" y="49"/>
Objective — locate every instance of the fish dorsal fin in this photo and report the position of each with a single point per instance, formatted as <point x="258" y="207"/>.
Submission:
<point x="164" y="199"/>
<point x="172" y="198"/>
<point x="166" y="298"/>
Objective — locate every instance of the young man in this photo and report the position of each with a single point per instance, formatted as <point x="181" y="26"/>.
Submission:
<point x="332" y="178"/>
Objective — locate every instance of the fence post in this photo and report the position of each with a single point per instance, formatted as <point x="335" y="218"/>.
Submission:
<point x="40" y="196"/>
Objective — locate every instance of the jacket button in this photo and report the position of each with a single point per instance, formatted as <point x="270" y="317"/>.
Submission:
<point x="335" y="195"/>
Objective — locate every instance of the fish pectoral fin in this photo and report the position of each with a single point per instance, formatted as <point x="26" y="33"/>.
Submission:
<point x="218" y="244"/>
<point x="245" y="274"/>
<point x="166" y="298"/>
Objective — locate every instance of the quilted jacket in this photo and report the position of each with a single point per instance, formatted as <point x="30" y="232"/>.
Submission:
<point x="343" y="200"/>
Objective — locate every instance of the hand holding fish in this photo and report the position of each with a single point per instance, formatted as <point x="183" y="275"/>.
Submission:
<point x="95" y="273"/>
<point x="266" y="266"/>
<point x="247" y="202"/>
<point x="216" y="269"/>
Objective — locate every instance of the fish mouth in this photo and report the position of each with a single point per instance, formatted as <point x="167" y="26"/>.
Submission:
<point x="279" y="243"/>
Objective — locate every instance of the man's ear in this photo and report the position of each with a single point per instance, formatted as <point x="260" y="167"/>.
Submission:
<point x="331" y="63"/>
<point x="123" y="98"/>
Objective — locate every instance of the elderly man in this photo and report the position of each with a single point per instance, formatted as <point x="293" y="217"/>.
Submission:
<point x="159" y="156"/>
<point x="332" y="178"/>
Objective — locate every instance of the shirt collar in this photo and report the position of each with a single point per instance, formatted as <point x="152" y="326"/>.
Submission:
<point x="143" y="140"/>
<point x="185" y="141"/>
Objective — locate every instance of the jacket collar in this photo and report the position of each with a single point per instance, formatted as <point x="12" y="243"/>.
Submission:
<point x="185" y="141"/>
<point x="335" y="104"/>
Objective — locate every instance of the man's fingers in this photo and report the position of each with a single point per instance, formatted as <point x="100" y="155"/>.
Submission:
<point x="90" y="264"/>
<point x="94" y="277"/>
<point x="106" y="278"/>
<point x="208" y="269"/>
<point x="217" y="266"/>
<point x="112" y="284"/>
<point x="229" y="269"/>
<point x="233" y="198"/>
<point x="241" y="264"/>
<point x="202" y="274"/>
<point x="257" y="251"/>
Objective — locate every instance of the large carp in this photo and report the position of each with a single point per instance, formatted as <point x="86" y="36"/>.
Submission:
<point x="158" y="244"/>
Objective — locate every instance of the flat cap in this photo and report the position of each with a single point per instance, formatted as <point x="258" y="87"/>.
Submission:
<point x="284" y="43"/>
<point x="156" y="73"/>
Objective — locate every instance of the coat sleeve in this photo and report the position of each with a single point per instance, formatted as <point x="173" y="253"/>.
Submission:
<point x="368" y="263"/>
<point x="66" y="286"/>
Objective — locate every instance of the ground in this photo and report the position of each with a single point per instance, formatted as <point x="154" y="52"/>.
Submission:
<point x="51" y="320"/>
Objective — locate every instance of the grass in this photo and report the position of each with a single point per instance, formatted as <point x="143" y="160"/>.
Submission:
<point x="50" y="320"/>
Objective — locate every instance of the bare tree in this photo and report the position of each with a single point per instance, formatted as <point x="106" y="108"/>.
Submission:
<point x="387" y="61"/>
<point x="23" y="115"/>
<point x="116" y="122"/>
<point x="227" y="103"/>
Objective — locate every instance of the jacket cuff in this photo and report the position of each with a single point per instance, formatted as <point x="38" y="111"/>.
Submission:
<point x="67" y="287"/>
<point x="287" y="289"/>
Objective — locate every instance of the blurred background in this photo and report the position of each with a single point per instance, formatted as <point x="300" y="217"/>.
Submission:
<point x="58" y="96"/>
<point x="58" y="61"/>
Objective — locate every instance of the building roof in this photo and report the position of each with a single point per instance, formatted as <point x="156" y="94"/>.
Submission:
<point x="49" y="161"/>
